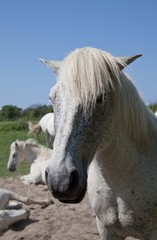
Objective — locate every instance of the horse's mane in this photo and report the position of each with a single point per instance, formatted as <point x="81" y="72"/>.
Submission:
<point x="21" y="143"/>
<point x="32" y="141"/>
<point x="89" y="73"/>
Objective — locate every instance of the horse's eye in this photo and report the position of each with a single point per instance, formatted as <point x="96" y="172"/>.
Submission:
<point x="14" y="155"/>
<point x="51" y="99"/>
<point x="100" y="99"/>
<point x="52" y="94"/>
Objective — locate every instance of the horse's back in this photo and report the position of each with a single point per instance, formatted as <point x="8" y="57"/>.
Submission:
<point x="47" y="123"/>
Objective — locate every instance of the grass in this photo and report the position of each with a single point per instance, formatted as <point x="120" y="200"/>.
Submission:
<point x="8" y="134"/>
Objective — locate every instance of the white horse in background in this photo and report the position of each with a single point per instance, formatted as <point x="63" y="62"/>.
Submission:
<point x="46" y="124"/>
<point x="12" y="212"/>
<point x="107" y="140"/>
<point x="36" y="155"/>
<point x="155" y="113"/>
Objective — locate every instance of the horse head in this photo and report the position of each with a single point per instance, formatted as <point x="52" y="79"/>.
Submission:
<point x="82" y="103"/>
<point x="16" y="156"/>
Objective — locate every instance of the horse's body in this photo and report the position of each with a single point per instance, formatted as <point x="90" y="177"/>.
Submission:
<point x="10" y="214"/>
<point x="46" y="124"/>
<point x="36" y="155"/>
<point x="104" y="132"/>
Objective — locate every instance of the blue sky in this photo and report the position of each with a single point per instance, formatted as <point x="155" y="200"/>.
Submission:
<point x="51" y="29"/>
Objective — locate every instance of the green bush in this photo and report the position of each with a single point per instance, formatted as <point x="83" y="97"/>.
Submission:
<point x="10" y="112"/>
<point x="153" y="107"/>
<point x="14" y="125"/>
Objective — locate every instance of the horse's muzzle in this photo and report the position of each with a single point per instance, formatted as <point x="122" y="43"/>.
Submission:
<point x="12" y="168"/>
<point x="66" y="189"/>
<point x="78" y="199"/>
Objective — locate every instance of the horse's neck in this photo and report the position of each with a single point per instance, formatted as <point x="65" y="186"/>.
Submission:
<point x="117" y="159"/>
<point x="32" y="153"/>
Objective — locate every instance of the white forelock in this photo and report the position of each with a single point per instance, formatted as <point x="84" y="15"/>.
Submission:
<point x="88" y="73"/>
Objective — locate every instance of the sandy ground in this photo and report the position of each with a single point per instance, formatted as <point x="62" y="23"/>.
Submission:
<point x="58" y="221"/>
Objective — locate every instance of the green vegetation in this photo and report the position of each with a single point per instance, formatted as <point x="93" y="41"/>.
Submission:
<point x="11" y="113"/>
<point x="153" y="107"/>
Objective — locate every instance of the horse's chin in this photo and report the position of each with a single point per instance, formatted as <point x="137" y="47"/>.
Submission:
<point x="76" y="200"/>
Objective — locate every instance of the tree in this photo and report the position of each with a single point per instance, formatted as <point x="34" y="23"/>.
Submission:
<point x="36" y="111"/>
<point x="10" y="112"/>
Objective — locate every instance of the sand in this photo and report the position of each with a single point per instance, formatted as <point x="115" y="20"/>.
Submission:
<point x="58" y="221"/>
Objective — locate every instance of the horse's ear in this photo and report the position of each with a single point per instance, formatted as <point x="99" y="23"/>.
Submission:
<point x="124" y="61"/>
<point x="54" y="65"/>
<point x="16" y="144"/>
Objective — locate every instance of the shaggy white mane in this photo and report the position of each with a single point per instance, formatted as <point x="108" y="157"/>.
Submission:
<point x="32" y="141"/>
<point x="20" y="143"/>
<point x="89" y="73"/>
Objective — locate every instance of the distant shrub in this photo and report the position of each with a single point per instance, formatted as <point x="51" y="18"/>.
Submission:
<point x="36" y="111"/>
<point x="153" y="107"/>
<point x="14" y="126"/>
<point x="11" y="113"/>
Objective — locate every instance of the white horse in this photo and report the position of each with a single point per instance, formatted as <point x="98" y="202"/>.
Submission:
<point x="36" y="155"/>
<point x="46" y="124"/>
<point x="106" y="134"/>
<point x="10" y="212"/>
<point x="155" y="113"/>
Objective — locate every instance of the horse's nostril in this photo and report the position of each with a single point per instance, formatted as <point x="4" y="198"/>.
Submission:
<point x="12" y="168"/>
<point x="46" y="176"/>
<point x="73" y="180"/>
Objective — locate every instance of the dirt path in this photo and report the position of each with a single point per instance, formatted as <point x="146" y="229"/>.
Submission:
<point x="57" y="222"/>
